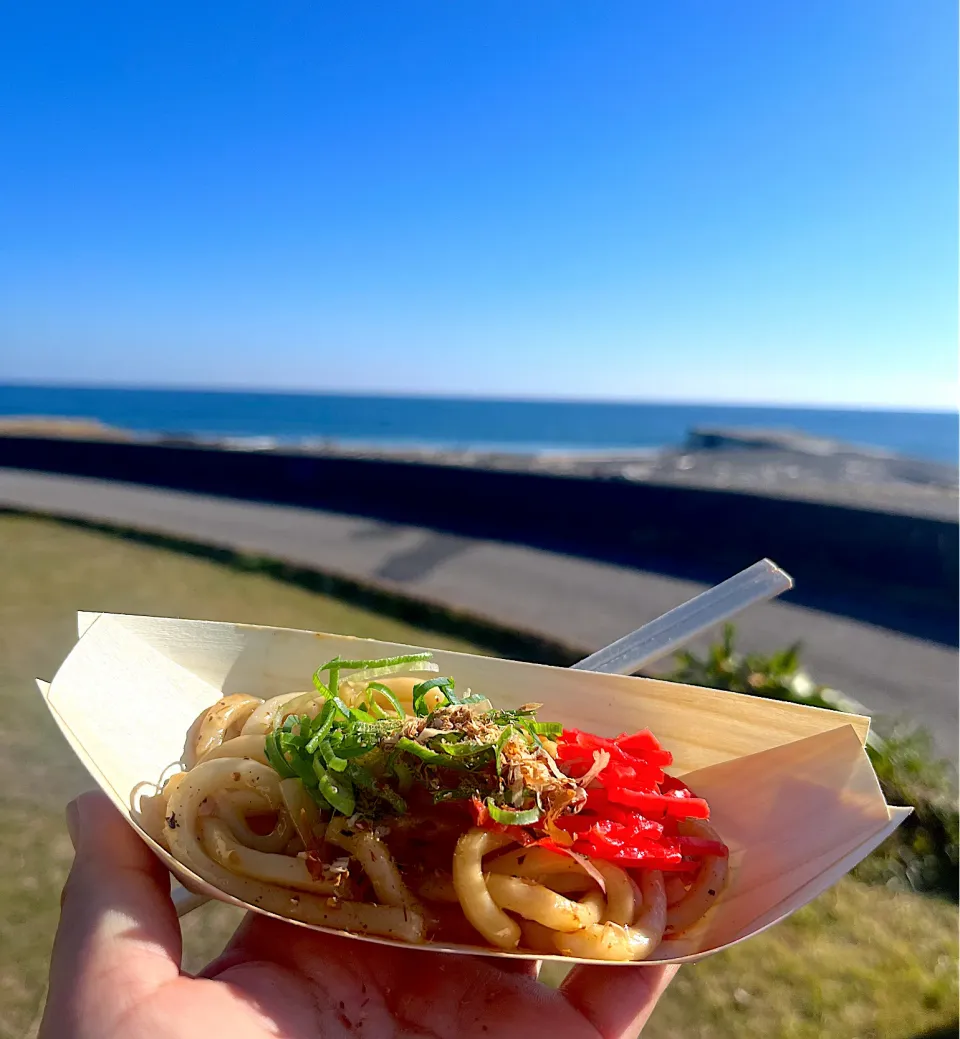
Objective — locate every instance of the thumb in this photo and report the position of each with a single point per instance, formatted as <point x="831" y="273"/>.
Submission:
<point x="119" y="938"/>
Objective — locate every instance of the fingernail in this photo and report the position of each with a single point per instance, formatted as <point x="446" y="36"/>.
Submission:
<point x="73" y="823"/>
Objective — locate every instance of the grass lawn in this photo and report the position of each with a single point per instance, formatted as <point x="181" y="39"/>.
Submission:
<point x="860" y="962"/>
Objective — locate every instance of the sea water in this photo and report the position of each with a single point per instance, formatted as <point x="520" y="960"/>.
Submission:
<point x="451" y="423"/>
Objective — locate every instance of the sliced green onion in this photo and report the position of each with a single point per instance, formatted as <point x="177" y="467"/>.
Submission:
<point x="511" y="816"/>
<point x="445" y="685"/>
<point x="277" y="761"/>
<point x="337" y="702"/>
<point x="418" y="750"/>
<point x="310" y="726"/>
<point x="526" y="726"/>
<point x="403" y="774"/>
<point x="325" y="720"/>
<point x="302" y="770"/>
<point x="462" y="749"/>
<point x="288" y="741"/>
<point x="332" y="667"/>
<point x="331" y="758"/>
<point x="448" y="692"/>
<point x="393" y="669"/>
<point x="354" y="747"/>
<point x="321" y="802"/>
<point x="442" y="682"/>
<point x="353" y="665"/>
<point x="426" y="754"/>
<point x="387" y="693"/>
<point x="374" y="729"/>
<point x="338" y="790"/>
<point x="451" y="736"/>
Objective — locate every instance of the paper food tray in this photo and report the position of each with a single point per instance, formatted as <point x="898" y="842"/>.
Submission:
<point x="791" y="790"/>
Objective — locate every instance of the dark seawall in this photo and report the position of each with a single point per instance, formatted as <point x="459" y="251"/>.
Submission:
<point x="889" y="567"/>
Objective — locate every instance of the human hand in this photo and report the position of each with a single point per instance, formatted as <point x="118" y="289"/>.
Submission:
<point x="115" y="971"/>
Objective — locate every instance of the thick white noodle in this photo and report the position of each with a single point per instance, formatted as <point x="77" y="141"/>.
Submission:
<point x="533" y="862"/>
<point x="233" y="807"/>
<point x="264" y="717"/>
<point x="181" y="830"/>
<point x="676" y="889"/>
<point x="239" y="747"/>
<point x="303" y="812"/>
<point x="475" y="900"/>
<point x="616" y="942"/>
<point x="294" y="846"/>
<point x="596" y="903"/>
<point x="377" y="862"/>
<point x="400" y="686"/>
<point x="354" y="694"/>
<point x="535" y="902"/>
<point x="282" y="870"/>
<point x="621" y="902"/>
<point x="566" y="883"/>
<point x="153" y="809"/>
<point x="225" y="715"/>
<point x="652" y="912"/>
<point x="705" y="889"/>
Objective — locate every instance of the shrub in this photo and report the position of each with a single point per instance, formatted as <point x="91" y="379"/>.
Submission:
<point x="923" y="853"/>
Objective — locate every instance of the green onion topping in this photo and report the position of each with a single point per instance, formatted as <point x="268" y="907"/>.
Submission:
<point x="511" y="816"/>
<point x="366" y="759"/>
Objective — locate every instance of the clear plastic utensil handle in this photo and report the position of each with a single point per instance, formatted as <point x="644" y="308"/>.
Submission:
<point x="758" y="583"/>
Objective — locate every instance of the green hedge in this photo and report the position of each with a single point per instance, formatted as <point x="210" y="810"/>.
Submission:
<point x="923" y="853"/>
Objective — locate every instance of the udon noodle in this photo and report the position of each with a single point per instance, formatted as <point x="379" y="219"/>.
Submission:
<point x="384" y="803"/>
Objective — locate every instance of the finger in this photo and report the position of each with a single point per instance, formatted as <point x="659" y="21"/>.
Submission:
<point x="119" y="938"/>
<point x="616" y="1000"/>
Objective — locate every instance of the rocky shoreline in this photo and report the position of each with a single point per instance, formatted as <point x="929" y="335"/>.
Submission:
<point x="774" y="463"/>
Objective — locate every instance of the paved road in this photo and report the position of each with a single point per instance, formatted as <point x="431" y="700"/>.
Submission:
<point x="582" y="603"/>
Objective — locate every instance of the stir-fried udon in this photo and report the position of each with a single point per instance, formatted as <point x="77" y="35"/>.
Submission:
<point x="382" y="803"/>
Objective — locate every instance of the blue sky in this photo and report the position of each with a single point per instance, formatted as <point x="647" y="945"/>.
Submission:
<point x="685" y="200"/>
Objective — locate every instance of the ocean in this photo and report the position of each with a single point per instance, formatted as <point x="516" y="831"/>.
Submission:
<point x="505" y="425"/>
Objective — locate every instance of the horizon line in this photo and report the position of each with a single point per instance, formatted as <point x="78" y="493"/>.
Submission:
<point x="462" y="397"/>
